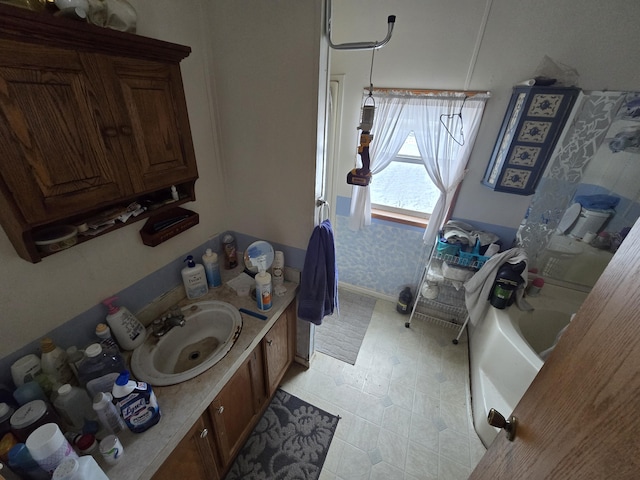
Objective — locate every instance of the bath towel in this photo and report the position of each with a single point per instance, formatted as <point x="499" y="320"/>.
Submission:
<point x="478" y="287"/>
<point x="318" y="295"/>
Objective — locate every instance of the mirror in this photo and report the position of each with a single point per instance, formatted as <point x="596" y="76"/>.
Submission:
<point x="597" y="158"/>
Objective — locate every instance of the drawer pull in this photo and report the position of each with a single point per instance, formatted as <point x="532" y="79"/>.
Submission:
<point x="204" y="433"/>
<point x="110" y="132"/>
<point x="220" y="409"/>
<point x="269" y="342"/>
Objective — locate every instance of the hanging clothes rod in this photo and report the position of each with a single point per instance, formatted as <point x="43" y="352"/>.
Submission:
<point x="413" y="91"/>
<point x="391" y="20"/>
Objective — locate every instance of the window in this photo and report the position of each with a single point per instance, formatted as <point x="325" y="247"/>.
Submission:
<point x="404" y="186"/>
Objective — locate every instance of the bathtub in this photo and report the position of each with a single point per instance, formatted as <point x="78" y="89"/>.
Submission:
<point x="504" y="351"/>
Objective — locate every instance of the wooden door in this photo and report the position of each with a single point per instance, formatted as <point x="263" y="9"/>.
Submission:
<point x="278" y="349"/>
<point x="53" y="154"/>
<point x="193" y="458"/>
<point x="579" y="418"/>
<point x="235" y="409"/>
<point x="153" y="125"/>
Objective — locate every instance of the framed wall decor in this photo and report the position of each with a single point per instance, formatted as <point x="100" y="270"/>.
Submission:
<point x="530" y="130"/>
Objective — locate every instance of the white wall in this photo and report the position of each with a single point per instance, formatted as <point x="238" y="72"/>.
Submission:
<point x="35" y="298"/>
<point x="267" y="68"/>
<point x="433" y="46"/>
<point x="263" y="59"/>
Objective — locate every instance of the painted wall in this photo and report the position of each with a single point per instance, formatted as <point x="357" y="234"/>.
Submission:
<point x="256" y="151"/>
<point x="490" y="45"/>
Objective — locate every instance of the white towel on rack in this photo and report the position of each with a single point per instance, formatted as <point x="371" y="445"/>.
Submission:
<point x="478" y="287"/>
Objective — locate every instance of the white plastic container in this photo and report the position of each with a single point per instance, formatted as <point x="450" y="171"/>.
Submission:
<point x="74" y="406"/>
<point x="263" y="290"/>
<point x="82" y="468"/>
<point x="108" y="414"/>
<point x="211" y="268"/>
<point x="129" y="332"/>
<point x="99" y="369"/>
<point x="137" y="403"/>
<point x="54" y="362"/>
<point x="108" y="343"/>
<point x="589" y="221"/>
<point x="26" y="369"/>
<point x="194" y="279"/>
<point x="48" y="447"/>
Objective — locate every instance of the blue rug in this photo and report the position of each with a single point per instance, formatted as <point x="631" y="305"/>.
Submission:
<point x="290" y="442"/>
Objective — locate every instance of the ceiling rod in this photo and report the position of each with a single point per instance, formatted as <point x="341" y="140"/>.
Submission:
<point x="391" y="20"/>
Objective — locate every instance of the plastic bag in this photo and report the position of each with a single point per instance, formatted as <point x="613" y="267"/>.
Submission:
<point x="564" y="75"/>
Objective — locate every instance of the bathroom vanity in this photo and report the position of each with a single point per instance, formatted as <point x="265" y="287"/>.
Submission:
<point x="206" y="420"/>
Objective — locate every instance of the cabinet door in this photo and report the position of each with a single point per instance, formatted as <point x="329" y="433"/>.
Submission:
<point x="153" y="123"/>
<point x="193" y="458"/>
<point x="53" y="155"/>
<point x="235" y="409"/>
<point x="279" y="348"/>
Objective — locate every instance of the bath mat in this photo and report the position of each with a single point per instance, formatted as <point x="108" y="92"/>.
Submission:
<point x="290" y="442"/>
<point x="340" y="335"/>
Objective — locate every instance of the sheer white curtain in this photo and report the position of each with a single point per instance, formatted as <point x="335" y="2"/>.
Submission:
<point x="446" y="129"/>
<point x="444" y="145"/>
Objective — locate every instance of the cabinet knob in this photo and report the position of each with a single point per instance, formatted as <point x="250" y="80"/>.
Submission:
<point x="269" y="342"/>
<point x="126" y="130"/>
<point x="109" y="132"/>
<point x="220" y="409"/>
<point x="204" y="433"/>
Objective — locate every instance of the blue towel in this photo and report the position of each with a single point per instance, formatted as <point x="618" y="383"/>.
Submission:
<point x="318" y="295"/>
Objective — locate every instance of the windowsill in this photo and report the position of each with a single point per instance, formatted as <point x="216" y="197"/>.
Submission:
<point x="399" y="218"/>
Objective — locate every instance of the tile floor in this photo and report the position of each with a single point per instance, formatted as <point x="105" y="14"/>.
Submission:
<point x="404" y="405"/>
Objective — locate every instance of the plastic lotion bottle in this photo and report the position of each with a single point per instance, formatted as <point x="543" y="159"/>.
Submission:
<point x="137" y="403"/>
<point x="211" y="268"/>
<point x="129" y="332"/>
<point x="54" y="362"/>
<point x="194" y="279"/>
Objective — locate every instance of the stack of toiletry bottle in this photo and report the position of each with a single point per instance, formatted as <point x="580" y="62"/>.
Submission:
<point x="211" y="268"/>
<point x="263" y="285"/>
<point x="194" y="279"/>
<point x="137" y="403"/>
<point x="230" y="252"/>
<point x="74" y="406"/>
<point x="129" y="332"/>
<point x="54" y="362"/>
<point x="108" y="344"/>
<point x="108" y="414"/>
<point x="98" y="369"/>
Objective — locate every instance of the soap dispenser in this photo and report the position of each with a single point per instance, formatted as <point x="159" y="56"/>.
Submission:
<point x="129" y="332"/>
<point x="194" y="279"/>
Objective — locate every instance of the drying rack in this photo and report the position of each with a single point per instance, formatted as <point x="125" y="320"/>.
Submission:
<point x="448" y="308"/>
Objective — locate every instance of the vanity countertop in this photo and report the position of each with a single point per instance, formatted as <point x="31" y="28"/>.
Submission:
<point x="182" y="404"/>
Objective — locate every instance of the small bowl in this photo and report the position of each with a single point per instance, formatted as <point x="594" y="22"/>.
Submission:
<point x="54" y="239"/>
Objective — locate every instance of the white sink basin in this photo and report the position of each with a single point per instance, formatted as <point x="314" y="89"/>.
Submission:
<point x="210" y="331"/>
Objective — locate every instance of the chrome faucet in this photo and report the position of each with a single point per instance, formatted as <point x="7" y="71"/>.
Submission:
<point x="162" y="325"/>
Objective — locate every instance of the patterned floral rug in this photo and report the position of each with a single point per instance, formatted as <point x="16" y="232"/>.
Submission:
<point x="290" y="442"/>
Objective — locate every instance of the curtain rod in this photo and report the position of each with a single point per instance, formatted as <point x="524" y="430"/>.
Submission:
<point x="468" y="93"/>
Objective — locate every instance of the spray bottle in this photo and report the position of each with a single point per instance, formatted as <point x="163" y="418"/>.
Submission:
<point x="263" y="283"/>
<point x="129" y="332"/>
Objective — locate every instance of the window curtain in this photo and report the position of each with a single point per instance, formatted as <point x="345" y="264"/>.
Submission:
<point x="446" y="129"/>
<point x="445" y="146"/>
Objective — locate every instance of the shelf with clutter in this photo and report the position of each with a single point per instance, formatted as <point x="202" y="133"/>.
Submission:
<point x="455" y="257"/>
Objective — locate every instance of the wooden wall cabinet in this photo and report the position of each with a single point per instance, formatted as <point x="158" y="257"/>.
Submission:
<point x="90" y="118"/>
